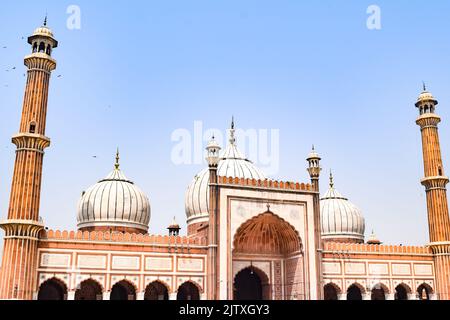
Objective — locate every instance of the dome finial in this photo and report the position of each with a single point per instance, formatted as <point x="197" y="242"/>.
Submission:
<point x="45" y="20"/>
<point x="424" y="86"/>
<point x="331" y="179"/>
<point x="117" y="165"/>
<point x="232" y="131"/>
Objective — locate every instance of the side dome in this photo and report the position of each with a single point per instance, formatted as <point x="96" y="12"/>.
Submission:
<point x="341" y="220"/>
<point x="114" y="204"/>
<point x="232" y="164"/>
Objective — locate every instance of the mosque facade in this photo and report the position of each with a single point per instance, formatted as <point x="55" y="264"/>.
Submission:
<point x="248" y="236"/>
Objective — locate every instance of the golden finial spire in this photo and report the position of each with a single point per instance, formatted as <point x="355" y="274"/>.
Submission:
<point x="117" y="165"/>
<point x="331" y="180"/>
<point x="232" y="131"/>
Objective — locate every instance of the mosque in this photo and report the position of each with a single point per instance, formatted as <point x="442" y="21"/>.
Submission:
<point x="248" y="237"/>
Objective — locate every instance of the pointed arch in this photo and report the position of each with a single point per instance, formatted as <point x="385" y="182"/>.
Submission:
<point x="156" y="290"/>
<point x="52" y="289"/>
<point x="89" y="289"/>
<point x="267" y="233"/>
<point x="123" y="290"/>
<point x="331" y="291"/>
<point x="189" y="290"/>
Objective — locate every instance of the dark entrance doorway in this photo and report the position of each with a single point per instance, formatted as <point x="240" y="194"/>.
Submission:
<point x="248" y="285"/>
<point x="156" y="291"/>
<point x="188" y="291"/>
<point x="123" y="290"/>
<point x="330" y="292"/>
<point x="354" y="293"/>
<point x="52" y="289"/>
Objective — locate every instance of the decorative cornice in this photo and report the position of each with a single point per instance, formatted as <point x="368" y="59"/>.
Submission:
<point x="119" y="237"/>
<point x="428" y="120"/>
<point x="435" y="183"/>
<point x="41" y="62"/>
<point x="266" y="184"/>
<point x="372" y="248"/>
<point x="440" y="248"/>
<point x="31" y="141"/>
<point x="21" y="229"/>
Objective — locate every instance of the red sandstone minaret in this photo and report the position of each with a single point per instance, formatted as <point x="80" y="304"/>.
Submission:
<point x="314" y="169"/>
<point x="213" y="151"/>
<point x="22" y="228"/>
<point x="435" y="183"/>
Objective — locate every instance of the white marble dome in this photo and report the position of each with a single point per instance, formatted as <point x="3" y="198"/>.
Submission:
<point x="114" y="202"/>
<point x="232" y="164"/>
<point x="341" y="220"/>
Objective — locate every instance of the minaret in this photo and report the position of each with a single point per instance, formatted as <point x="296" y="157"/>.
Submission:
<point x="314" y="170"/>
<point x="435" y="183"/>
<point x="174" y="228"/>
<point x="213" y="151"/>
<point x="23" y="225"/>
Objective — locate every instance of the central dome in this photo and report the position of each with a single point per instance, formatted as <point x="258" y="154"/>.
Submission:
<point x="232" y="164"/>
<point x="114" y="204"/>
<point x="341" y="220"/>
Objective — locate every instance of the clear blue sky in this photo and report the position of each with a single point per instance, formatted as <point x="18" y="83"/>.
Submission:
<point x="137" y="71"/>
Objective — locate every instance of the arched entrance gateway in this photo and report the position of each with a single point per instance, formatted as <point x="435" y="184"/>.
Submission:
<point x="123" y="290"/>
<point x="262" y="244"/>
<point x="251" y="284"/>
<point x="89" y="290"/>
<point x="156" y="291"/>
<point x="52" y="289"/>
<point x="188" y="291"/>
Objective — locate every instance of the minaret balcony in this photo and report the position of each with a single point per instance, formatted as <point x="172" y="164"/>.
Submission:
<point x="31" y="142"/>
<point x="435" y="183"/>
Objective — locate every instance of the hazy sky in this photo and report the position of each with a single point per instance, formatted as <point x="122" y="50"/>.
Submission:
<point x="137" y="71"/>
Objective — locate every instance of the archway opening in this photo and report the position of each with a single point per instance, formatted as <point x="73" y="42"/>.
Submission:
<point x="52" y="289"/>
<point x="378" y="293"/>
<point x="89" y="290"/>
<point x="251" y="284"/>
<point x="424" y="292"/>
<point x="263" y="238"/>
<point x="156" y="291"/>
<point x="188" y="291"/>
<point x="401" y="293"/>
<point x="330" y="292"/>
<point x="123" y="290"/>
<point x="354" y="293"/>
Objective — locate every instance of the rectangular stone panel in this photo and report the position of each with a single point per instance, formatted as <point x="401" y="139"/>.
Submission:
<point x="91" y="261"/>
<point x="423" y="269"/>
<point x="125" y="263"/>
<point x="332" y="268"/>
<point x="401" y="269"/>
<point x="190" y="264"/>
<point x="355" y="268"/>
<point x="158" y="264"/>
<point x="55" y="260"/>
<point x="378" y="269"/>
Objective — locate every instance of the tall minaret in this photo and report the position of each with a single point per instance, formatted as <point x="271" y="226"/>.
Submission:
<point x="435" y="183"/>
<point x="22" y="228"/>
<point x="314" y="170"/>
<point x="212" y="157"/>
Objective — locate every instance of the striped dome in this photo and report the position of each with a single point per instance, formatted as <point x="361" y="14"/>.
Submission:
<point x="114" y="202"/>
<point x="341" y="220"/>
<point x="232" y="164"/>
